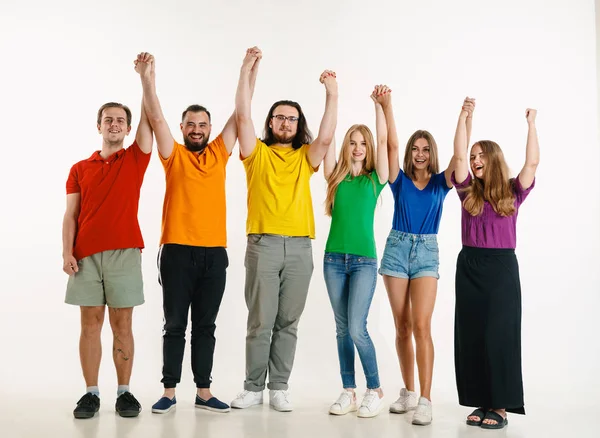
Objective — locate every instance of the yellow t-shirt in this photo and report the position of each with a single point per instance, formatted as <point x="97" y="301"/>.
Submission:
<point x="194" y="210"/>
<point x="279" y="200"/>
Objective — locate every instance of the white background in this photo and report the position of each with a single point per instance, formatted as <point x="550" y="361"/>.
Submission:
<point x="61" y="60"/>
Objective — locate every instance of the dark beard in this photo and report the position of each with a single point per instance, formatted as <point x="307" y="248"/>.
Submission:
<point x="195" y="147"/>
<point x="282" y="140"/>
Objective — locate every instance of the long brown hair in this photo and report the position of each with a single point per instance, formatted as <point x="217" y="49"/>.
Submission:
<point x="496" y="186"/>
<point x="434" y="162"/>
<point x="303" y="134"/>
<point x="344" y="165"/>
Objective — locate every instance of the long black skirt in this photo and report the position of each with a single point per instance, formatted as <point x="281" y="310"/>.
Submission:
<point x="487" y="329"/>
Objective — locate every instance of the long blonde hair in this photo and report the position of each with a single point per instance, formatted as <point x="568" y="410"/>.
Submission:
<point x="496" y="186"/>
<point x="344" y="165"/>
<point x="434" y="162"/>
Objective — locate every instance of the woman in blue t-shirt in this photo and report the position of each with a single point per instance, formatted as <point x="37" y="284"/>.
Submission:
<point x="411" y="258"/>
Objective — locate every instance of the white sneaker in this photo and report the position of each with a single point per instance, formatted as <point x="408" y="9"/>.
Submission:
<point x="371" y="404"/>
<point x="406" y="402"/>
<point x="345" y="403"/>
<point x="279" y="400"/>
<point x="245" y="399"/>
<point x="423" y="415"/>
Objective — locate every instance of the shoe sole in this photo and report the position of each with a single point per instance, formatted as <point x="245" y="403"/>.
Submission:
<point x="208" y="408"/>
<point x="85" y="415"/>
<point x="163" y="411"/>
<point x="370" y="414"/>
<point x="128" y="414"/>
<point x="246" y="407"/>
<point x="398" y="411"/>
<point x="421" y="423"/>
<point x="343" y="412"/>
<point x="282" y="409"/>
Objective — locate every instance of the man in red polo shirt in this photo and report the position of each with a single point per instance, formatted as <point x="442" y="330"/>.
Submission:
<point x="102" y="245"/>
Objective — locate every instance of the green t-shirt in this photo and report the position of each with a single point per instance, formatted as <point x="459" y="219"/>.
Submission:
<point x="352" y="216"/>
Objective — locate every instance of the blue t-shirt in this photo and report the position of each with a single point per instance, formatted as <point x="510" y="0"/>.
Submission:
<point x="418" y="211"/>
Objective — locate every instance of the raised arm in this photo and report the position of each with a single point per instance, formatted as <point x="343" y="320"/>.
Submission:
<point x="392" y="139"/>
<point x="319" y="146"/>
<point x="532" y="153"/>
<point x="69" y="231"/>
<point x="143" y="136"/>
<point x="329" y="162"/>
<point x="381" y="94"/>
<point x="230" y="131"/>
<point x="469" y="126"/>
<point x="243" y="103"/>
<point x="461" y="162"/>
<point x="145" y="66"/>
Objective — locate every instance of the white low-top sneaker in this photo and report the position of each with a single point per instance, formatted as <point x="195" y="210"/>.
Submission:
<point x="345" y="403"/>
<point x="406" y="402"/>
<point x="245" y="399"/>
<point x="371" y="404"/>
<point x="280" y="400"/>
<point x="423" y="414"/>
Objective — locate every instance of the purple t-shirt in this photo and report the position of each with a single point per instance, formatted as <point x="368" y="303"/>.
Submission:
<point x="489" y="229"/>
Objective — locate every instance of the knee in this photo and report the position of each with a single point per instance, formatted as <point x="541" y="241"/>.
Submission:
<point x="174" y="328"/>
<point x="404" y="329"/>
<point x="422" y="331"/>
<point x="358" y="333"/>
<point x="120" y="322"/>
<point x="91" y="323"/>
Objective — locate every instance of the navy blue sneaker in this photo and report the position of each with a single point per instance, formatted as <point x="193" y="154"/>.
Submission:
<point x="87" y="406"/>
<point x="164" y="405"/>
<point x="212" y="404"/>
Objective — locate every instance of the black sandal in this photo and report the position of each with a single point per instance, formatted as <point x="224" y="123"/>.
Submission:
<point x="500" y="421"/>
<point x="479" y="413"/>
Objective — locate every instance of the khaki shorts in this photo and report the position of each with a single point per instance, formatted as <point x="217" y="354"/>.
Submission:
<point x="112" y="278"/>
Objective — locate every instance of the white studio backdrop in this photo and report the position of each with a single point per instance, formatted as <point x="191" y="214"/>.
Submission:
<point x="62" y="60"/>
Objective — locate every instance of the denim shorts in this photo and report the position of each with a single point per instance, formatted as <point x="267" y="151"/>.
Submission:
<point x="410" y="256"/>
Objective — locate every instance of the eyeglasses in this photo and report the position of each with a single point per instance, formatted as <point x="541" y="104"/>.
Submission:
<point x="282" y="118"/>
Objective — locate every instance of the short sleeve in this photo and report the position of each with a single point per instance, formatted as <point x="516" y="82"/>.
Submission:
<point x="250" y="158"/>
<point x="460" y="188"/>
<point x="378" y="185"/>
<point x="396" y="186"/>
<point x="142" y="159"/>
<point x="441" y="181"/>
<point x="519" y="191"/>
<point x="305" y="148"/>
<point x="220" y="149"/>
<point x="166" y="162"/>
<point x="73" y="181"/>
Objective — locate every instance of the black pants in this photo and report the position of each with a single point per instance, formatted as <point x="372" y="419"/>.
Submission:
<point x="487" y="336"/>
<point x="190" y="276"/>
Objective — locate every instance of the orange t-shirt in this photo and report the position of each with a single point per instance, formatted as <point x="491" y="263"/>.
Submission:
<point x="110" y="194"/>
<point x="194" y="211"/>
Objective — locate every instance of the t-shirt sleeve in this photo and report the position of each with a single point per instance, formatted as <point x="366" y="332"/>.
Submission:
<point x="141" y="158"/>
<point x="519" y="191"/>
<point x="220" y="149"/>
<point x="305" y="149"/>
<point x="460" y="188"/>
<point x="378" y="185"/>
<point x="397" y="184"/>
<point x="166" y="162"/>
<point x="441" y="181"/>
<point x="257" y="149"/>
<point x="73" y="181"/>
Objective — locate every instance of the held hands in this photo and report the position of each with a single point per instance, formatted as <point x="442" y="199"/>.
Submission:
<point x="530" y="114"/>
<point x="252" y="59"/>
<point x="70" y="265"/>
<point x="382" y="95"/>
<point x="144" y="64"/>
<point x="468" y="108"/>
<point x="328" y="78"/>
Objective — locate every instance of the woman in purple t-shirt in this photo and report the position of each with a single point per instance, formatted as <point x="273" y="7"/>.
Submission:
<point x="487" y="331"/>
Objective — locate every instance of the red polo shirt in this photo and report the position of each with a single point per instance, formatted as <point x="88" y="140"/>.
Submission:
<point x="110" y="194"/>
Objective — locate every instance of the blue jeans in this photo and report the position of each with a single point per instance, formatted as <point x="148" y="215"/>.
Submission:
<point x="351" y="284"/>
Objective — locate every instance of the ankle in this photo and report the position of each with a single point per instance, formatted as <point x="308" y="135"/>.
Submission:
<point x="203" y="393"/>
<point x="169" y="393"/>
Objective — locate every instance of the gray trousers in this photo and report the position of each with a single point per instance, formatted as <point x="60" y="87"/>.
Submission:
<point x="278" y="272"/>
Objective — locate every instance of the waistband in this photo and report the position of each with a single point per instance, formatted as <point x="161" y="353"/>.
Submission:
<point x="401" y="235"/>
<point x="472" y="250"/>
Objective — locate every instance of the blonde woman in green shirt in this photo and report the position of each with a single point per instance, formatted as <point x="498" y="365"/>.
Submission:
<point x="350" y="263"/>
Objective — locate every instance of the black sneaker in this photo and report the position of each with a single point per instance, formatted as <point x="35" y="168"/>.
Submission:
<point x="127" y="405"/>
<point x="87" y="406"/>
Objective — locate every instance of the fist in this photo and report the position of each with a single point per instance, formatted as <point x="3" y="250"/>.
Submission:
<point x="468" y="106"/>
<point x="253" y="56"/>
<point x="329" y="79"/>
<point x="70" y="265"/>
<point x="382" y="95"/>
<point x="144" y="64"/>
<point x="530" y="114"/>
